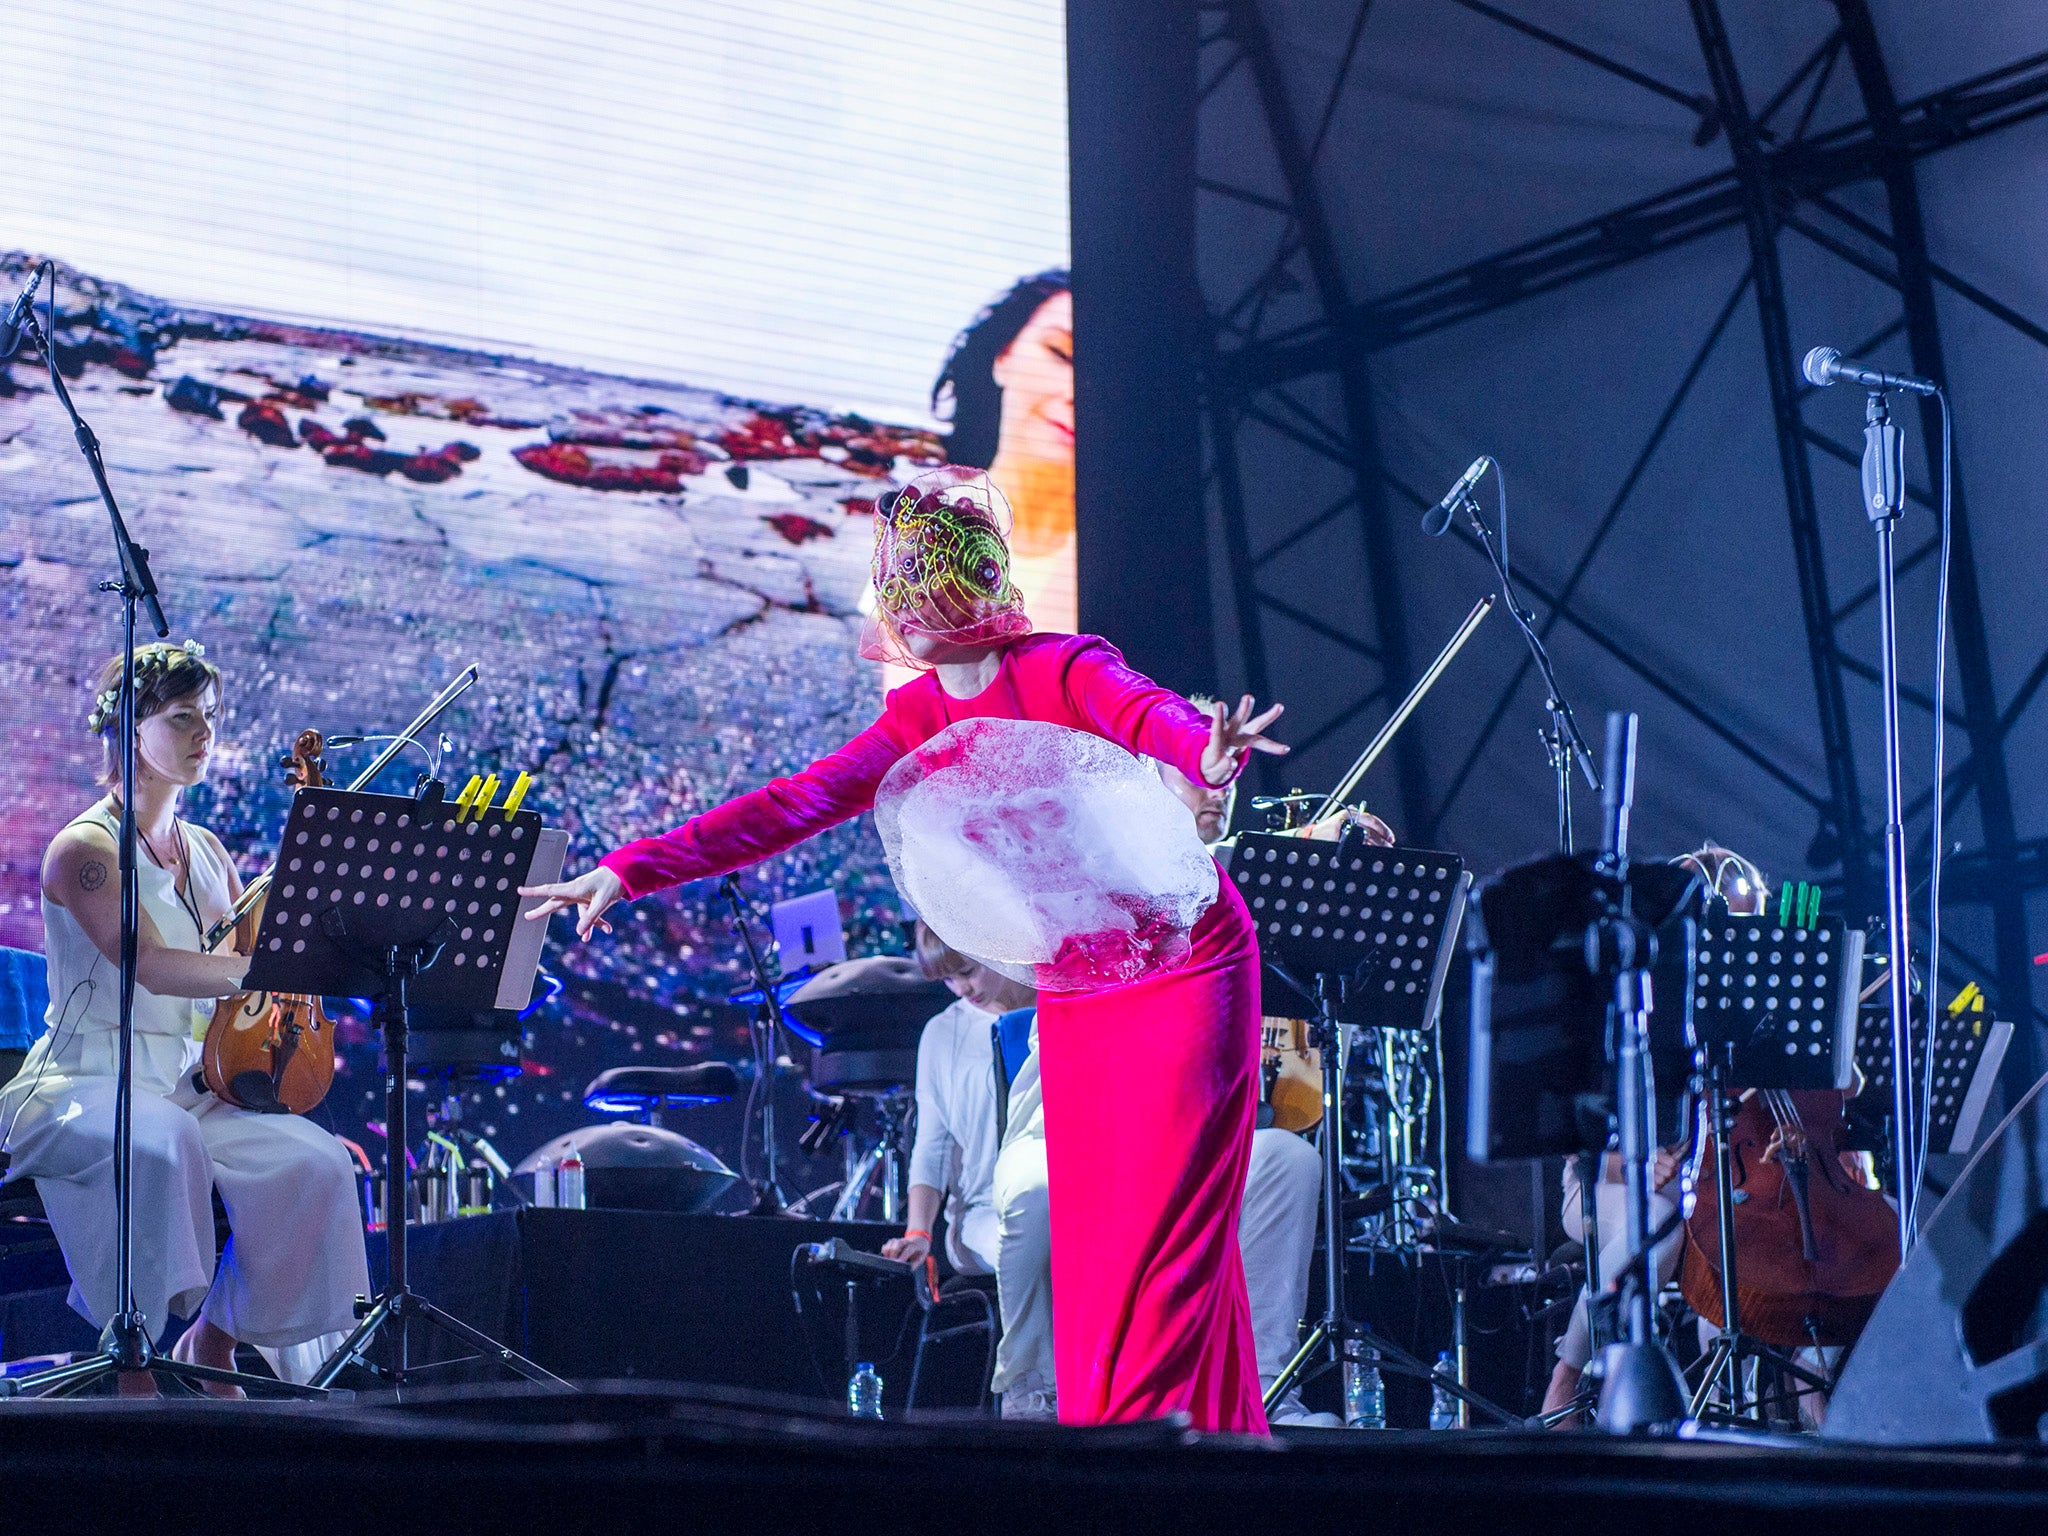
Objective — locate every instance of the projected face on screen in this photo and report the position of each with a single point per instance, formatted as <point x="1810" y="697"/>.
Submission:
<point x="1008" y="390"/>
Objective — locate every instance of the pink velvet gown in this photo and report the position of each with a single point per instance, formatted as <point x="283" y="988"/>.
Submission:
<point x="1150" y="1089"/>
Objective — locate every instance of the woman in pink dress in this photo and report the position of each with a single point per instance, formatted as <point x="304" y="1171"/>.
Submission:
<point x="1147" y="1162"/>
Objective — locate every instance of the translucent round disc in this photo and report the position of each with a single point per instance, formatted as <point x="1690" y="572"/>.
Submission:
<point x="1049" y="854"/>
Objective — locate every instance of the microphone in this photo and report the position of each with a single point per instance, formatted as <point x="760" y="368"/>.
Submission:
<point x="1824" y="366"/>
<point x="1438" y="517"/>
<point x="10" y="328"/>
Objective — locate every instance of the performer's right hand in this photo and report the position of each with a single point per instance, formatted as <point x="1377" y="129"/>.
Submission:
<point x="589" y="894"/>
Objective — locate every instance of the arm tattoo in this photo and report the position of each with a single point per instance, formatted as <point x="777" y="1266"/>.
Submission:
<point x="91" y="875"/>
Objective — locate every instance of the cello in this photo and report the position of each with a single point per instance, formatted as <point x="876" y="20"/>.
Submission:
<point x="1814" y="1246"/>
<point x="272" y="1052"/>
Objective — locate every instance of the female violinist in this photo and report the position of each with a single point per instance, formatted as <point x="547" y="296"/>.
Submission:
<point x="295" y="1263"/>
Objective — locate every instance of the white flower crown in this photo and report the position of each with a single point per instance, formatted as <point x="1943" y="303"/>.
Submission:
<point x="149" y="660"/>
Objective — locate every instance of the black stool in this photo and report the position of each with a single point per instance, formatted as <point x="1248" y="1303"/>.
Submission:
<point x="978" y="1290"/>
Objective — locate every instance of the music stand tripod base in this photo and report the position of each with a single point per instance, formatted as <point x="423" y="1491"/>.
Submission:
<point x="410" y="903"/>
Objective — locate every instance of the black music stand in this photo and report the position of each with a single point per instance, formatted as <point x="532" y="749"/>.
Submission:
<point x="1362" y="935"/>
<point x="1774" y="1007"/>
<point x="414" y="903"/>
<point x="1969" y="1048"/>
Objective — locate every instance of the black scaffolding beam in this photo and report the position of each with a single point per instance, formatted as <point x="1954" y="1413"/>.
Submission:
<point x="1780" y="177"/>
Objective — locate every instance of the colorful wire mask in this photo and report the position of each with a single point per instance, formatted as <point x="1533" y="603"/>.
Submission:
<point x="942" y="567"/>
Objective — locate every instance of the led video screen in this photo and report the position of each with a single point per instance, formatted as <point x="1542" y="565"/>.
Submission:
<point x="575" y="342"/>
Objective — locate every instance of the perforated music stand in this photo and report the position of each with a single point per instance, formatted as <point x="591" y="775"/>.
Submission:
<point x="1969" y="1048"/>
<point x="1774" y="1005"/>
<point x="1380" y="923"/>
<point x="410" y="903"/>
<point x="1355" y="935"/>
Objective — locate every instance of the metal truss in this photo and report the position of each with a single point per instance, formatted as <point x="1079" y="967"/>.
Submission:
<point x="1291" y="349"/>
<point x="1350" y="440"/>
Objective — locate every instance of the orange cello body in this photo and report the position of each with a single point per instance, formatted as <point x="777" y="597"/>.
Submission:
<point x="1814" y="1248"/>
<point x="272" y="1051"/>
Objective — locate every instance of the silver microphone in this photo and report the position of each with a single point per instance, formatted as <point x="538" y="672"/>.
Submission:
<point x="1438" y="517"/>
<point x="1824" y="366"/>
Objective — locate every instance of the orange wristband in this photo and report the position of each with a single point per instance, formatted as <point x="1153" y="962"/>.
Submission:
<point x="917" y="1232"/>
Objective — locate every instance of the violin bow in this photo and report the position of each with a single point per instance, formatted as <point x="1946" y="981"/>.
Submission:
<point x="253" y="892"/>
<point x="1400" y="716"/>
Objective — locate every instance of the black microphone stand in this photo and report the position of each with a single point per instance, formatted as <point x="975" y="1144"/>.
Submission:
<point x="1640" y="1384"/>
<point x="1884" y="500"/>
<point x="1563" y="742"/>
<point x="769" y="1200"/>
<point x="125" y="1344"/>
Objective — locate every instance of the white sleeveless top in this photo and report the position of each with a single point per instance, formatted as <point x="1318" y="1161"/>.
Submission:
<point x="84" y="1016"/>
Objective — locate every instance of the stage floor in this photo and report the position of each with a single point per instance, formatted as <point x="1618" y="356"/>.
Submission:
<point x="640" y="1456"/>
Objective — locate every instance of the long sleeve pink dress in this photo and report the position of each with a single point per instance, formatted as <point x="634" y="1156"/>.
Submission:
<point x="1150" y="1089"/>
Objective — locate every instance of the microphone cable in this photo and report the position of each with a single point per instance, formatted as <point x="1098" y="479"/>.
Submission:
<point x="1925" y="1130"/>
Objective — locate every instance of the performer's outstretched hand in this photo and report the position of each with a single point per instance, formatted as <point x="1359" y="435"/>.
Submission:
<point x="1234" y="733"/>
<point x="589" y="894"/>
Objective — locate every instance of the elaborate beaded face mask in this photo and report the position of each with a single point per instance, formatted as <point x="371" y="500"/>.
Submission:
<point x="942" y="566"/>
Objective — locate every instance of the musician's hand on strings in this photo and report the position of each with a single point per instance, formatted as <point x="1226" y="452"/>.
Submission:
<point x="1233" y="734"/>
<point x="588" y="894"/>
<point x="1331" y="828"/>
<point x="1664" y="1167"/>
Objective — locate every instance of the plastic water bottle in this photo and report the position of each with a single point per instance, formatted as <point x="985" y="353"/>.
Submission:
<point x="1443" y="1408"/>
<point x="1365" y="1395"/>
<point x="569" y="1192"/>
<point x="864" y="1392"/>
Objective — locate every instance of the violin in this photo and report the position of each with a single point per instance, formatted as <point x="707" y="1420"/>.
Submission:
<point x="1814" y="1245"/>
<point x="272" y="1052"/>
<point x="1290" y="1073"/>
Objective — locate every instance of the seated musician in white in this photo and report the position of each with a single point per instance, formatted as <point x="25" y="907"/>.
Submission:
<point x="295" y="1263"/>
<point x="952" y="1160"/>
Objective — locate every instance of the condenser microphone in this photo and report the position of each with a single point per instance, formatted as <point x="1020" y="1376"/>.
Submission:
<point x="1824" y="366"/>
<point x="10" y="328"/>
<point x="1438" y="517"/>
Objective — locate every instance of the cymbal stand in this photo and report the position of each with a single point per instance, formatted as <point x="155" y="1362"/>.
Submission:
<point x="125" y="1344"/>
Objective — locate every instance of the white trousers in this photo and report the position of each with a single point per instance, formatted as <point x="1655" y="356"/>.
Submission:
<point x="1575" y="1345"/>
<point x="1277" y="1233"/>
<point x="295" y="1263"/>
